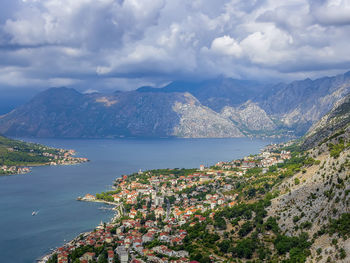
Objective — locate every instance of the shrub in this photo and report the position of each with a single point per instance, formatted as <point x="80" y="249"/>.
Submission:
<point x="271" y="224"/>
<point x="342" y="253"/>
<point x="336" y="149"/>
<point x="296" y="219"/>
<point x="224" y="246"/>
<point x="341" y="225"/>
<point x="245" y="229"/>
<point x="296" y="181"/>
<point x="306" y="225"/>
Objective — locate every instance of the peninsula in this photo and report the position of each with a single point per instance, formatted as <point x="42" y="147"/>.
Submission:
<point x="16" y="157"/>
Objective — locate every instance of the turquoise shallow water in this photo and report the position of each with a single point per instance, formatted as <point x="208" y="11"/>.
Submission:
<point x="53" y="190"/>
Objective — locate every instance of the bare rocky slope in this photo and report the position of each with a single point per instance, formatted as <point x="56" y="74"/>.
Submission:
<point x="194" y="116"/>
<point x="249" y="117"/>
<point x="336" y="120"/>
<point x="316" y="199"/>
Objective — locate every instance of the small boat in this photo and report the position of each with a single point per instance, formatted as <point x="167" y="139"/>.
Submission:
<point x="34" y="213"/>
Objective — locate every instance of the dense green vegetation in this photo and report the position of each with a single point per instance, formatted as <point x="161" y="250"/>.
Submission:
<point x="341" y="226"/>
<point x="298" y="247"/>
<point x="13" y="152"/>
<point x="21" y="158"/>
<point x="107" y="196"/>
<point x="336" y="149"/>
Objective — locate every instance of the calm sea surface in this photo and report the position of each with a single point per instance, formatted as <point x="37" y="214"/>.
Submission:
<point x="53" y="190"/>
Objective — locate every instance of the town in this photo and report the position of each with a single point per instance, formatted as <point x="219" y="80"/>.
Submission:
<point x="158" y="211"/>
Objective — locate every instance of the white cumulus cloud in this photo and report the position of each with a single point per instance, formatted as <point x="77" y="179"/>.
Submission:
<point x="227" y="46"/>
<point x="109" y="43"/>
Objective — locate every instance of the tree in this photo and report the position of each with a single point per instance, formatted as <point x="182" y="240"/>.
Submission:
<point x="224" y="246"/>
<point x="271" y="224"/>
<point x="246" y="228"/>
<point x="244" y="248"/>
<point x="219" y="222"/>
<point x="251" y="192"/>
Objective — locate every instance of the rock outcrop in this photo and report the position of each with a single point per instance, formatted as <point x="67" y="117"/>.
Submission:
<point x="249" y="117"/>
<point x="197" y="121"/>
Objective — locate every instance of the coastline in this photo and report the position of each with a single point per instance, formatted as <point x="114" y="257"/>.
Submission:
<point x="46" y="257"/>
<point x="107" y="173"/>
<point x="26" y="169"/>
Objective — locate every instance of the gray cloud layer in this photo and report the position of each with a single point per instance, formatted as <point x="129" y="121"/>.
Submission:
<point x="125" y="43"/>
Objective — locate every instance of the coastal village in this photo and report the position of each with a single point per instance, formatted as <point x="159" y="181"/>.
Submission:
<point x="65" y="157"/>
<point x="155" y="211"/>
<point x="5" y="169"/>
<point x="56" y="157"/>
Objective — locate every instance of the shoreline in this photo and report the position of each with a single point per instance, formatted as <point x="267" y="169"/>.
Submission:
<point x="46" y="257"/>
<point x="28" y="168"/>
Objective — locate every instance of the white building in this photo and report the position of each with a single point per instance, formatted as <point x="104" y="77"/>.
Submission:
<point x="122" y="254"/>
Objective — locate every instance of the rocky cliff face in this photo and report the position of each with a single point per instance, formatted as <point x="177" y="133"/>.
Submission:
<point x="197" y="121"/>
<point x="249" y="117"/>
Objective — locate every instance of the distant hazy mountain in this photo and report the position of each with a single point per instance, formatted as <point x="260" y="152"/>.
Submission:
<point x="334" y="122"/>
<point x="217" y="93"/>
<point x="301" y="103"/>
<point x="11" y="98"/>
<point x="63" y="112"/>
<point x="214" y="108"/>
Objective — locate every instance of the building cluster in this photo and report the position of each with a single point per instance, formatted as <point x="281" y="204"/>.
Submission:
<point x="126" y="239"/>
<point x="153" y="209"/>
<point x="268" y="157"/>
<point x="66" y="159"/>
<point x="8" y="169"/>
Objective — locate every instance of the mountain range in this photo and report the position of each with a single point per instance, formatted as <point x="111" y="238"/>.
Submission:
<point x="215" y="108"/>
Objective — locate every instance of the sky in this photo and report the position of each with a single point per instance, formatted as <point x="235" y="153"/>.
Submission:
<point x="124" y="44"/>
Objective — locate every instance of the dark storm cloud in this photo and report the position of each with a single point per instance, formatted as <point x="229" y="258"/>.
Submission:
<point x="112" y="43"/>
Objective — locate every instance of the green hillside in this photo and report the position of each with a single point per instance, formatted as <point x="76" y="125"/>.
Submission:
<point x="15" y="154"/>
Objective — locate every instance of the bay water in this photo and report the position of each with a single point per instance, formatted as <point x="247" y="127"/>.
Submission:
<point x="52" y="190"/>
